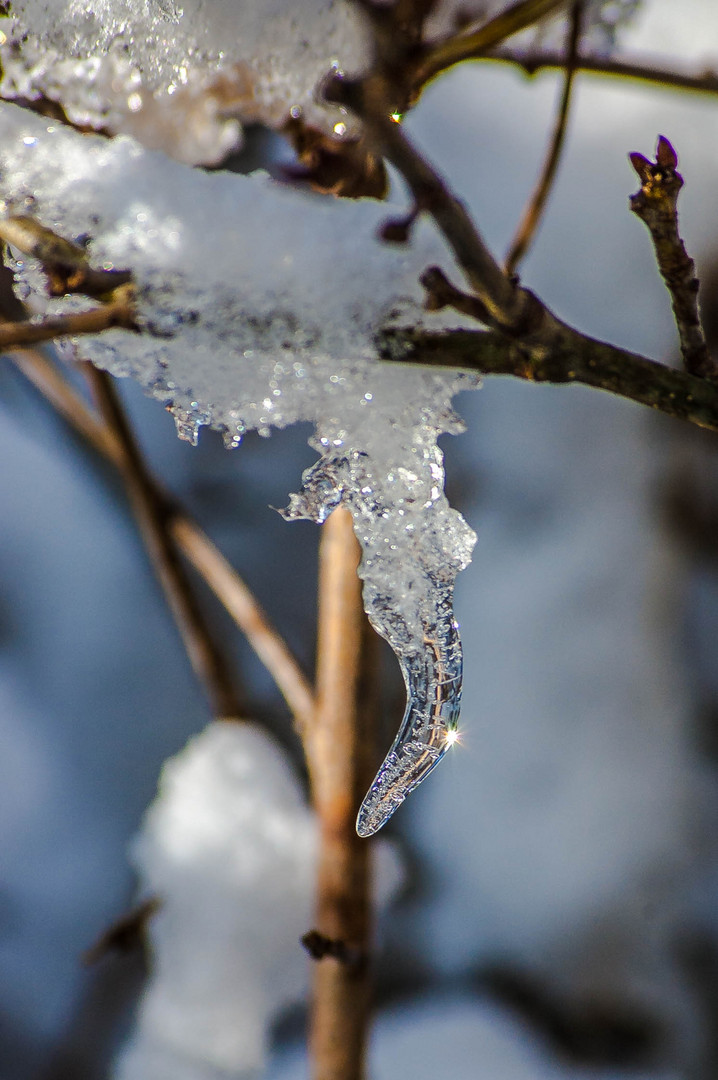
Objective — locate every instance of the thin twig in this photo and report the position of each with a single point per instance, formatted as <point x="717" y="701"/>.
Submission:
<point x="208" y="662"/>
<point x="198" y="549"/>
<point x="229" y="588"/>
<point x="507" y="305"/>
<point x="536" y="205"/>
<point x="656" y="204"/>
<point x="340" y="759"/>
<point x="442" y="55"/>
<point x="705" y="82"/>
<point x="118" y="312"/>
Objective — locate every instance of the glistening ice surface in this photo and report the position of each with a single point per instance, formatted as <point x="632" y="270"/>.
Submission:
<point x="183" y="77"/>
<point x="259" y="306"/>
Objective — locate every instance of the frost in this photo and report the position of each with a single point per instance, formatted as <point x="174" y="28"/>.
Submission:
<point x="260" y="305"/>
<point x="229" y="849"/>
<point x="183" y="78"/>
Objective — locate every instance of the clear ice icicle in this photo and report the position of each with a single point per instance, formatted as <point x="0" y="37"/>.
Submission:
<point x="408" y="596"/>
<point x="429" y="727"/>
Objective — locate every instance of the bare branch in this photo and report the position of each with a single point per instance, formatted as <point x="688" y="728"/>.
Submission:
<point x="537" y="201"/>
<point x="705" y="82"/>
<point x="468" y="45"/>
<point x="196" y="546"/>
<point x="534" y="343"/>
<point x="118" y="312"/>
<point x="65" y="263"/>
<point x="656" y="204"/>
<point x="249" y="616"/>
<point x="150" y="510"/>
<point x="579" y="360"/>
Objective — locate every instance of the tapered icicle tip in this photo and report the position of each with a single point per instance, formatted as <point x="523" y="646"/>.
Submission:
<point x="376" y="810"/>
<point x="429" y="726"/>
<point x="417" y="750"/>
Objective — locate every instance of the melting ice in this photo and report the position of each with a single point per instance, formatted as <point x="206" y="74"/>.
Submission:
<point x="260" y="306"/>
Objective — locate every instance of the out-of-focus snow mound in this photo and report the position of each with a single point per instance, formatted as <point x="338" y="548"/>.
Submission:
<point x="229" y="849"/>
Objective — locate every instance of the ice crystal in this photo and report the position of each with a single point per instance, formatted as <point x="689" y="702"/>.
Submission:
<point x="260" y="305"/>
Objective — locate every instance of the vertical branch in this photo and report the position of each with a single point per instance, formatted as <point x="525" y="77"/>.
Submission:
<point x="656" y="204"/>
<point x="537" y="202"/>
<point x="340" y="757"/>
<point x="153" y="517"/>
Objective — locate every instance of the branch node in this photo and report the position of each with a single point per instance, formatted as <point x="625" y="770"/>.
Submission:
<point x="319" y="946"/>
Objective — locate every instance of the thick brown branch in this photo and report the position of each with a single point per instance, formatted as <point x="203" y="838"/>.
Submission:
<point x="580" y="360"/>
<point x="705" y="82"/>
<point x="656" y="204"/>
<point x="339" y="755"/>
<point x="537" y="201"/>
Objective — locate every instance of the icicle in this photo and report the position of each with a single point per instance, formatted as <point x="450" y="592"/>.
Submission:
<point x="408" y="596"/>
<point x="429" y="727"/>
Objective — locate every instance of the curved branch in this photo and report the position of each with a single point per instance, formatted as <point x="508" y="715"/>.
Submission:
<point x="536" y="205"/>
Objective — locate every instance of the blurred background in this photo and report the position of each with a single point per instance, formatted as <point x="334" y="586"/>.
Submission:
<point x="558" y="915"/>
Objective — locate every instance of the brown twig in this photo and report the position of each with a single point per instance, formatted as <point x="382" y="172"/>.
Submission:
<point x="231" y="590"/>
<point x="118" y="312"/>
<point x="507" y="305"/>
<point x="65" y="263"/>
<point x="536" y="205"/>
<point x="208" y="662"/>
<point x="195" y="545"/>
<point x="440" y="56"/>
<point x="340" y="759"/>
<point x="656" y="204"/>
<point x="705" y="82"/>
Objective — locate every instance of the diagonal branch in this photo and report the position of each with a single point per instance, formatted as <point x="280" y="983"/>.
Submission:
<point x="207" y="660"/>
<point x="439" y="57"/>
<point x="197" y="548"/>
<point x="537" y="201"/>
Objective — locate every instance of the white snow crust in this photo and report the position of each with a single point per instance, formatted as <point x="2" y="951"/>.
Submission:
<point x="184" y="77"/>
